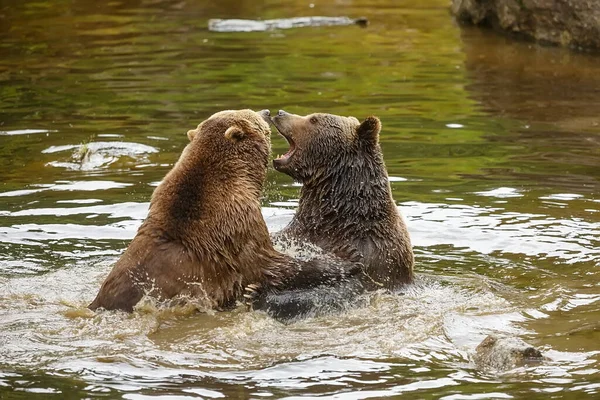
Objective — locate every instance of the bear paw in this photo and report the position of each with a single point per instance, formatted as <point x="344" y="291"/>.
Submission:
<point x="251" y="294"/>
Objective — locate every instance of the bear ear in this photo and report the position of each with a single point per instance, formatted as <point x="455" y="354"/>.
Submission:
<point x="240" y="130"/>
<point x="369" y="129"/>
<point x="191" y="134"/>
<point x="234" y="133"/>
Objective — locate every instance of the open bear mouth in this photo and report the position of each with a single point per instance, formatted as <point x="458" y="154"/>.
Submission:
<point x="285" y="158"/>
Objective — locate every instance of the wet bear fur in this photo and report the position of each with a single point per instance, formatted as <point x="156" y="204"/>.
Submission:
<point x="346" y="205"/>
<point x="204" y="236"/>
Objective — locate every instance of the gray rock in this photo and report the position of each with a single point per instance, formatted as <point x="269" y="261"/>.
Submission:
<point x="572" y="23"/>
<point x="504" y="353"/>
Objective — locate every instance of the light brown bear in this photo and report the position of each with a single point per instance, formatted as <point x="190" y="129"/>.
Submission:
<point x="204" y="235"/>
<point x="346" y="205"/>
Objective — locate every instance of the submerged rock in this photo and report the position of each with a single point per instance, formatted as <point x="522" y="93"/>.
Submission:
<point x="249" y="25"/>
<point x="572" y="23"/>
<point x="504" y="353"/>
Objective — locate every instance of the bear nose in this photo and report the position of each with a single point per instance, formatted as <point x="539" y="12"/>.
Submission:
<point x="281" y="113"/>
<point x="265" y="112"/>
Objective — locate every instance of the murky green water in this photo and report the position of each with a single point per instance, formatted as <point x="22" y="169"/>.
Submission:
<point x="493" y="149"/>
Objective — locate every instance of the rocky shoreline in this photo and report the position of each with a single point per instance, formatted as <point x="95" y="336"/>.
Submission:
<point x="570" y="23"/>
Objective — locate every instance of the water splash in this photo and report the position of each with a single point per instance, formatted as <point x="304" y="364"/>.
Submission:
<point x="96" y="155"/>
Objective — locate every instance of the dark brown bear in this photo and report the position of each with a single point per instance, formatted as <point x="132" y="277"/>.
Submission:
<point x="346" y="205"/>
<point x="204" y="236"/>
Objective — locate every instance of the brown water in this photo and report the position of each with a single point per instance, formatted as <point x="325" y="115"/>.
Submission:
<point x="493" y="150"/>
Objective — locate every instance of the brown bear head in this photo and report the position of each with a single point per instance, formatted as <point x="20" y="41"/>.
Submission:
<point x="240" y="135"/>
<point x="321" y="143"/>
<point x="228" y="150"/>
<point x="238" y="124"/>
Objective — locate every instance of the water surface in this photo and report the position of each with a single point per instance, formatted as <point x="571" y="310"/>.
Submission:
<point x="493" y="152"/>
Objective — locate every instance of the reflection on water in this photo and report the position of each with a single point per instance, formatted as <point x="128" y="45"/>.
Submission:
<point x="492" y="150"/>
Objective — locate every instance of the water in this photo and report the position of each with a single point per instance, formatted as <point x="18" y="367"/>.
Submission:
<point x="493" y="151"/>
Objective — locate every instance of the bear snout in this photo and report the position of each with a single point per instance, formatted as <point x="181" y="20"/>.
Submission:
<point x="282" y="113"/>
<point x="266" y="116"/>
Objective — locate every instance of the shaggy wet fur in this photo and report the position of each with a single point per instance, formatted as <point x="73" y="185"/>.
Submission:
<point x="204" y="236"/>
<point x="346" y="206"/>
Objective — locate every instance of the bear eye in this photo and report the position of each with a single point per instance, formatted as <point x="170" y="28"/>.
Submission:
<point x="313" y="120"/>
